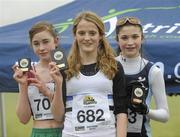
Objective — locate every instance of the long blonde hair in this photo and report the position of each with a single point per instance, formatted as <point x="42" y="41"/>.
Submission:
<point x="105" y="56"/>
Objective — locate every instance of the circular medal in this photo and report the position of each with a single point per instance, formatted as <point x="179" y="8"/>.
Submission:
<point x="24" y="63"/>
<point x="58" y="55"/>
<point x="138" y="92"/>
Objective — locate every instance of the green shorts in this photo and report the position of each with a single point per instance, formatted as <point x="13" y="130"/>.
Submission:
<point x="46" y="132"/>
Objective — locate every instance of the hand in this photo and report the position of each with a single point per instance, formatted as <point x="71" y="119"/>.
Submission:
<point x="55" y="73"/>
<point x="19" y="75"/>
<point x="35" y="80"/>
<point x="141" y="108"/>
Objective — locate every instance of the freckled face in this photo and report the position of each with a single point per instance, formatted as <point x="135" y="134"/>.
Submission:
<point x="130" y="40"/>
<point x="87" y="36"/>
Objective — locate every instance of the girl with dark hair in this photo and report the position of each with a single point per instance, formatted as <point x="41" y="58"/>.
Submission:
<point x="143" y="79"/>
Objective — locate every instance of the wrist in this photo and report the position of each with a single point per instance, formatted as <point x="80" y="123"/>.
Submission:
<point x="147" y="111"/>
<point x="50" y="96"/>
<point x="23" y="85"/>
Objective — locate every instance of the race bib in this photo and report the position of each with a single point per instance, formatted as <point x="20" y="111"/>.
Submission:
<point x="90" y="112"/>
<point x="134" y="122"/>
<point x="40" y="104"/>
<point x="41" y="109"/>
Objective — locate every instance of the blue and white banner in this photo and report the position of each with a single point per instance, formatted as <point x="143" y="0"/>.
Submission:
<point x="160" y="19"/>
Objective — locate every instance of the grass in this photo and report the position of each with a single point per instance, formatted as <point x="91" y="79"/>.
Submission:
<point x="171" y="128"/>
<point x="13" y="127"/>
<point x="16" y="129"/>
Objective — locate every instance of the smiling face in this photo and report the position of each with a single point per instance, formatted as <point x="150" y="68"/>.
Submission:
<point x="88" y="37"/>
<point x="130" y="40"/>
<point x="43" y="42"/>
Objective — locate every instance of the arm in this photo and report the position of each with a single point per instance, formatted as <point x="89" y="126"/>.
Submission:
<point x="120" y="102"/>
<point x="57" y="105"/>
<point x="36" y="81"/>
<point x="121" y="125"/>
<point x="161" y="113"/>
<point x="23" y="110"/>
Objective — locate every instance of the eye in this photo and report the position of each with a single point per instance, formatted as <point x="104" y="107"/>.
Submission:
<point x="81" y="33"/>
<point x="124" y="37"/>
<point x="35" y="44"/>
<point x="135" y="36"/>
<point x="45" y="41"/>
<point x="92" y="33"/>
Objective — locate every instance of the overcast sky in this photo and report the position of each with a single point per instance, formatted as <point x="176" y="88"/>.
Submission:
<point x="13" y="11"/>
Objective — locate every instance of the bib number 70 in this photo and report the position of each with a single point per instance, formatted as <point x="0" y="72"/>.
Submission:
<point x="44" y="102"/>
<point x="90" y="115"/>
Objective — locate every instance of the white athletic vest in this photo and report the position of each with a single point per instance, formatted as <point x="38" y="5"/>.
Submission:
<point x="40" y="104"/>
<point x="90" y="98"/>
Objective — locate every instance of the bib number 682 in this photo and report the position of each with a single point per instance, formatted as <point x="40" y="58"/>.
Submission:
<point x="90" y="115"/>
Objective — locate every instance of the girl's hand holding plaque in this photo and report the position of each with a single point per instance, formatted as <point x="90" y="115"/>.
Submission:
<point x="59" y="57"/>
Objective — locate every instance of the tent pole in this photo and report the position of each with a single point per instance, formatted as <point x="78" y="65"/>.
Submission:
<point x="3" y="119"/>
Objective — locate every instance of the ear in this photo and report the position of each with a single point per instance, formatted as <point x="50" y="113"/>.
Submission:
<point x="100" y="39"/>
<point x="75" y="39"/>
<point x="56" y="41"/>
<point x="142" y="39"/>
<point x="117" y="38"/>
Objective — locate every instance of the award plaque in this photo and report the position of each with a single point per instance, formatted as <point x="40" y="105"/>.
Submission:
<point x="24" y="64"/>
<point x="138" y="94"/>
<point x="59" y="57"/>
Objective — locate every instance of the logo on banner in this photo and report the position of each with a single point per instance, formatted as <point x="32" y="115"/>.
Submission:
<point x="167" y="31"/>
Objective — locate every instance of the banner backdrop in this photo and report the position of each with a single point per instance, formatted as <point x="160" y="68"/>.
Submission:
<point x="160" y="19"/>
